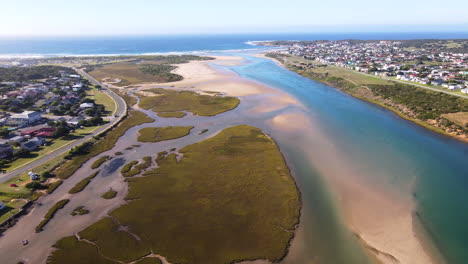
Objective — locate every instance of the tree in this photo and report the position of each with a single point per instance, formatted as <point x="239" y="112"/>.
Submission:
<point x="61" y="131"/>
<point x="4" y="133"/>
<point x="20" y="153"/>
<point x="35" y="186"/>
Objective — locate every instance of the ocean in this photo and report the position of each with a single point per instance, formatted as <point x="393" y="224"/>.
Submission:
<point x="430" y="167"/>
<point x="119" y="45"/>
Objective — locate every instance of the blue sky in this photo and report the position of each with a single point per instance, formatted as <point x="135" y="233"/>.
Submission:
<point x="121" y="17"/>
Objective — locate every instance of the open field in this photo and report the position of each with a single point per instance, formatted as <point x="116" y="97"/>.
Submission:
<point x="460" y="118"/>
<point x="156" y="69"/>
<point x="230" y="198"/>
<point x="165" y="100"/>
<point x="107" y="142"/>
<point x="156" y="134"/>
<point x="102" y="98"/>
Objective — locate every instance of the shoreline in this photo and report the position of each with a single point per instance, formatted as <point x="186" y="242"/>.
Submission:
<point x="424" y="240"/>
<point x="390" y="108"/>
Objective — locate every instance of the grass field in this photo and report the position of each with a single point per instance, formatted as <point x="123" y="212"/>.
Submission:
<point x="230" y="198"/>
<point x="171" y="114"/>
<point x="166" y="100"/>
<point x="102" y="98"/>
<point x="460" y="118"/>
<point x="107" y="142"/>
<point x="156" y="134"/>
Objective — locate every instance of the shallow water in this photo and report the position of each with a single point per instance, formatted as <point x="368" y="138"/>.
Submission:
<point x="388" y="151"/>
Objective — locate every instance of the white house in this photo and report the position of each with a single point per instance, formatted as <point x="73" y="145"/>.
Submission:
<point x="23" y="119"/>
<point x="86" y="105"/>
<point x="465" y="91"/>
<point x="2" y="206"/>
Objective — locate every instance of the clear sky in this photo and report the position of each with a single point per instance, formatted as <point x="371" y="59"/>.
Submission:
<point x="121" y="17"/>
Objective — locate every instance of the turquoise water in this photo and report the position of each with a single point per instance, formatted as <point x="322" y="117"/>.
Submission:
<point x="431" y="167"/>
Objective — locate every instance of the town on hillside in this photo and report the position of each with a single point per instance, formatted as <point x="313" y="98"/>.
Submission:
<point x="36" y="112"/>
<point x="418" y="61"/>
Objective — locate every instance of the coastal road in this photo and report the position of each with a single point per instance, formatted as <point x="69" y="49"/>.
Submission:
<point x="121" y="109"/>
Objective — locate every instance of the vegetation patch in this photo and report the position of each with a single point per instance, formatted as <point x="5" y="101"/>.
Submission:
<point x="166" y="100"/>
<point x="99" y="162"/>
<point x="134" y="168"/>
<point x="114" y="242"/>
<point x="157" y="134"/>
<point x="80" y="210"/>
<point x="50" y="214"/>
<point x="53" y="186"/>
<point x="129" y="100"/>
<point x="460" y="118"/>
<point x="203" y="131"/>
<point x="82" y="184"/>
<point x="128" y="166"/>
<point x="171" y="114"/>
<point x="138" y="70"/>
<point x="149" y="260"/>
<point x="107" y="141"/>
<point x="71" y="251"/>
<point x="229" y="198"/>
<point x="109" y="194"/>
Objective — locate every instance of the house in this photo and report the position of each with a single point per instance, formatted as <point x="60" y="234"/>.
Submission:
<point x="5" y="151"/>
<point x="75" y="120"/>
<point x="2" y="206"/>
<point x="86" y="105"/>
<point x="16" y="139"/>
<point x="39" y="132"/>
<point x="24" y="119"/>
<point x="33" y="144"/>
<point x="465" y="91"/>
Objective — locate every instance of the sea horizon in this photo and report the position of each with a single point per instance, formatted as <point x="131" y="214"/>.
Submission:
<point x="24" y="47"/>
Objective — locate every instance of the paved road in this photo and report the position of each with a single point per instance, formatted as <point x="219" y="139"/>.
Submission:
<point x="121" y="109"/>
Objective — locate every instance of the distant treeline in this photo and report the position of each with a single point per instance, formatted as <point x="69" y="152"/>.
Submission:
<point x="23" y="74"/>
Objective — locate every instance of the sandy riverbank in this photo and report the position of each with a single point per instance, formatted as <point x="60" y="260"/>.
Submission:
<point x="382" y="219"/>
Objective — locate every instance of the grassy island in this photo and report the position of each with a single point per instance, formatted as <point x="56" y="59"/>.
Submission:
<point x="229" y="198"/>
<point x="171" y="114"/>
<point x="156" y="134"/>
<point x="165" y="100"/>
